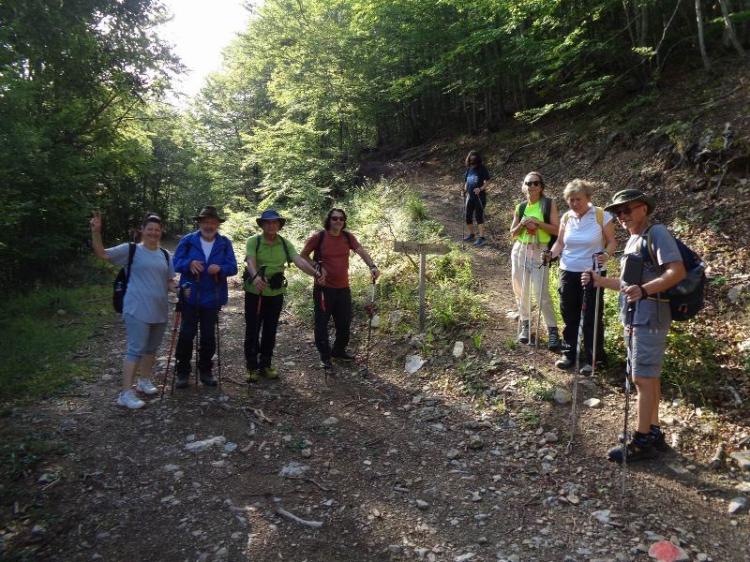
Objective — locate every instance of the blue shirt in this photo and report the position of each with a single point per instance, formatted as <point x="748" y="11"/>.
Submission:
<point x="475" y="178"/>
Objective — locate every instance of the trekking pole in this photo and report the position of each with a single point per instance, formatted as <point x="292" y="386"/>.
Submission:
<point x="523" y="285"/>
<point x="198" y="324"/>
<point x="576" y="370"/>
<point x="544" y="266"/>
<point x="628" y="375"/>
<point x="595" y="343"/>
<point x="177" y="314"/>
<point x="370" y="309"/>
<point x="530" y="285"/>
<point x="465" y="203"/>
<point x="218" y="330"/>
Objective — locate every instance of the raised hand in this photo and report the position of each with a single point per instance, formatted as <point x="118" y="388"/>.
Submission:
<point x="96" y="222"/>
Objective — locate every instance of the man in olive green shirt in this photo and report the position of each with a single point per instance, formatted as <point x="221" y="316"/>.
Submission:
<point x="265" y="285"/>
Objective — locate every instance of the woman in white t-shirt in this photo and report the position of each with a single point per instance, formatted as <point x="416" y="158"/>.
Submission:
<point x="587" y="233"/>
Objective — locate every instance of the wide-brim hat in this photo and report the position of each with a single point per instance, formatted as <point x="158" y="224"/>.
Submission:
<point x="630" y="196"/>
<point x="208" y="212"/>
<point x="270" y="215"/>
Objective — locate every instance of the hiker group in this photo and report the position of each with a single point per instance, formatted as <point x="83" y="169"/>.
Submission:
<point x="205" y="259"/>
<point x="661" y="280"/>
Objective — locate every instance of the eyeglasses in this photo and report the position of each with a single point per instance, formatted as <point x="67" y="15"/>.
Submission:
<point x="533" y="183"/>
<point x="337" y="218"/>
<point x="472" y="160"/>
<point x="626" y="210"/>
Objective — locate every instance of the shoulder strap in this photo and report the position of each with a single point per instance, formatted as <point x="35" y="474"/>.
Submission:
<point x="131" y="255"/>
<point x="600" y="220"/>
<point x="521" y="209"/>
<point x="348" y="238"/>
<point x="286" y="250"/>
<point x="648" y="254"/>
<point x="319" y="247"/>
<point x="546" y="208"/>
<point x="257" y="246"/>
<point x="166" y="256"/>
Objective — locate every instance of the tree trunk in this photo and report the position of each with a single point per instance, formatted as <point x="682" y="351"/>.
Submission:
<point x="730" y="28"/>
<point x="701" y="40"/>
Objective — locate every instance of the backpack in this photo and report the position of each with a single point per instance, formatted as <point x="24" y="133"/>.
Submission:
<point x="317" y="255"/>
<point x="120" y="285"/>
<point x="686" y="298"/>
<point x="546" y="204"/>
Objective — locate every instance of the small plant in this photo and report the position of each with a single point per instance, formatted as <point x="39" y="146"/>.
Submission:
<point x="529" y="418"/>
<point x="537" y="389"/>
<point x="510" y="344"/>
<point x="476" y="341"/>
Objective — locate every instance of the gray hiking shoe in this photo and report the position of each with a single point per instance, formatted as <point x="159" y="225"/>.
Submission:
<point x="553" y="339"/>
<point x="523" y="337"/>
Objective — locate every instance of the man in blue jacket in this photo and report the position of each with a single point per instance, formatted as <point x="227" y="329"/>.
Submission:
<point x="204" y="259"/>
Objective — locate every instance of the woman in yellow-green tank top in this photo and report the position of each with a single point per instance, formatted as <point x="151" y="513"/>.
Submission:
<point x="535" y="223"/>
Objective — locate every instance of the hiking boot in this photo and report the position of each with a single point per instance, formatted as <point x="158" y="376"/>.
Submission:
<point x="128" y="399"/>
<point x="469" y="238"/>
<point x="553" y="339"/>
<point x="208" y="379"/>
<point x="252" y="376"/>
<point x="182" y="380"/>
<point x="564" y="363"/>
<point x="269" y="372"/>
<point x="343" y="356"/>
<point x="146" y="387"/>
<point x="523" y="337"/>
<point x="327" y="365"/>
<point x="586" y="370"/>
<point x="481" y="241"/>
<point x="659" y="439"/>
<point x="640" y="448"/>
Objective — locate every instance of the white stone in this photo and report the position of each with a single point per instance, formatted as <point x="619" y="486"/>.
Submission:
<point x="413" y="364"/>
<point x="592" y="403"/>
<point x="293" y="470"/>
<point x="199" y="446"/>
<point x="737" y="505"/>
<point x="742" y="458"/>
<point x="328" y="422"/>
<point x="562" y="396"/>
<point x="458" y="349"/>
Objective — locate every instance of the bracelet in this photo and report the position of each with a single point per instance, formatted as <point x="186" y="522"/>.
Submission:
<point x="644" y="292"/>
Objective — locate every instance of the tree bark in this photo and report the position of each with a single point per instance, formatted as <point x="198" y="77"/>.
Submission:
<point x="730" y="28"/>
<point x="701" y="40"/>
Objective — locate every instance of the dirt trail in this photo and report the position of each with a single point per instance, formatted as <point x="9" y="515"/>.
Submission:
<point x="400" y="467"/>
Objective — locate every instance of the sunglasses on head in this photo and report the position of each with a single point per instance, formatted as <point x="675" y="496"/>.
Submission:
<point x="531" y="183"/>
<point x="626" y="210"/>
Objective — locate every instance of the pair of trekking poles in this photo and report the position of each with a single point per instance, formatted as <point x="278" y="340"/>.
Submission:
<point x="175" y="329"/>
<point x="526" y="283"/>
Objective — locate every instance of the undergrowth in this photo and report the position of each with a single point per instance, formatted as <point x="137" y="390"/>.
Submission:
<point x="41" y="332"/>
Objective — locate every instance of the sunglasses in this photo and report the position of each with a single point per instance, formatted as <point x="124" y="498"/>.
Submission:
<point x="626" y="210"/>
<point x="337" y="218"/>
<point x="533" y="183"/>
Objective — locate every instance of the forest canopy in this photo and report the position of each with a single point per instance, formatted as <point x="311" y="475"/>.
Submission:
<point x="305" y="91"/>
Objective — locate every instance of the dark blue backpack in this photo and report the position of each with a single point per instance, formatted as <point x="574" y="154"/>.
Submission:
<point x="686" y="298"/>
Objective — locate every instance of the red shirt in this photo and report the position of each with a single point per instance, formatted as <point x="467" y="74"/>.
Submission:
<point x="334" y="256"/>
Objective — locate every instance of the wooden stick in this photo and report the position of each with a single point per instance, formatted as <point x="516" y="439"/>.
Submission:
<point x="292" y="517"/>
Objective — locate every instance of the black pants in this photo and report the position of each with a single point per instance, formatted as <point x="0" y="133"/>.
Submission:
<point x="571" y="300"/>
<point x="261" y="323"/>
<point x="336" y="303"/>
<point x="192" y="317"/>
<point x="474" y="208"/>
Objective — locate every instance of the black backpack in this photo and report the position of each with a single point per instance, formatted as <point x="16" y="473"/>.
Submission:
<point x="546" y="204"/>
<point x="686" y="298"/>
<point x="120" y="285"/>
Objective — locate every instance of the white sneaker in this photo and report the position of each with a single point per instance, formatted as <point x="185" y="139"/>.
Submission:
<point x="128" y="399"/>
<point x="146" y="387"/>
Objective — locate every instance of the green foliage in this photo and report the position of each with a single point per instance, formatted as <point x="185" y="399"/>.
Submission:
<point x="537" y="389"/>
<point x="42" y="331"/>
<point x="690" y="364"/>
